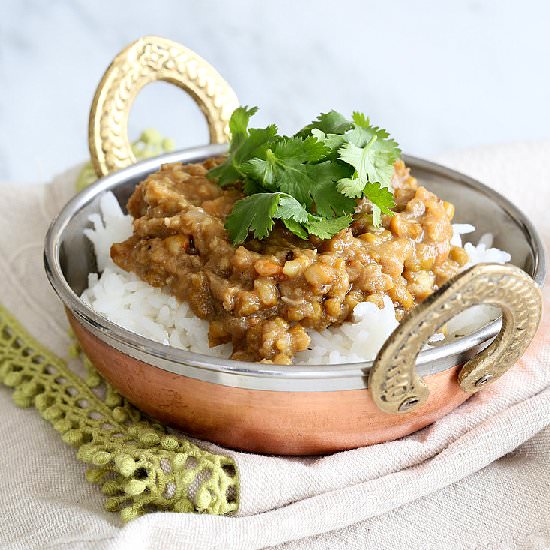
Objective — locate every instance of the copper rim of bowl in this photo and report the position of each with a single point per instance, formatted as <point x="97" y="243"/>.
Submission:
<point x="250" y="375"/>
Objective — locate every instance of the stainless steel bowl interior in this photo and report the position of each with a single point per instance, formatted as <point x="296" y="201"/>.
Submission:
<point x="69" y="257"/>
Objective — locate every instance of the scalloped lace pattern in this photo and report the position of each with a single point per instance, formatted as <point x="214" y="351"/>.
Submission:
<point x="140" y="465"/>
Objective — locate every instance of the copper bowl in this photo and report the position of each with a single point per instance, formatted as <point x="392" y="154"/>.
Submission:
<point x="296" y="410"/>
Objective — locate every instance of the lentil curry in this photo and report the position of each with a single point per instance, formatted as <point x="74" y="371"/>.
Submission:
<point x="262" y="296"/>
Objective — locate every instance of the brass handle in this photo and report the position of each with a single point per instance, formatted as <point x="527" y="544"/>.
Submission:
<point x="149" y="59"/>
<point x="394" y="384"/>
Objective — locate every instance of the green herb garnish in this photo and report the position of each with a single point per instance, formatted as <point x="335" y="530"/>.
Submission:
<point x="310" y="181"/>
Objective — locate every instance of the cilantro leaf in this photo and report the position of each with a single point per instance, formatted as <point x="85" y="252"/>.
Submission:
<point x="287" y="169"/>
<point x="293" y="215"/>
<point x="370" y="151"/>
<point x="290" y="209"/>
<point x="373" y="161"/>
<point x="359" y="119"/>
<point x="297" y="228"/>
<point x="301" y="150"/>
<point x="311" y="181"/>
<point x="252" y="186"/>
<point x="284" y="167"/>
<point x="255" y="145"/>
<point x="292" y="178"/>
<point x="363" y="131"/>
<point x="254" y="213"/>
<point x="245" y="144"/>
<point x="238" y="126"/>
<point x="257" y="213"/>
<point x="382" y="201"/>
<point x="260" y="170"/>
<point x="225" y="173"/>
<point x="314" y="149"/>
<point x="238" y="123"/>
<point x="350" y="187"/>
<point x="329" y="201"/>
<point x="332" y="141"/>
<point x="382" y="197"/>
<point x="332" y="122"/>
<point x="327" y="228"/>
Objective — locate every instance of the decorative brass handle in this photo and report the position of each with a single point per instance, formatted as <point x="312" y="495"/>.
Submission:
<point x="394" y="384"/>
<point x="149" y="59"/>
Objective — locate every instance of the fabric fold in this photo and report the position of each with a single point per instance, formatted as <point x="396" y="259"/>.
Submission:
<point x="45" y="500"/>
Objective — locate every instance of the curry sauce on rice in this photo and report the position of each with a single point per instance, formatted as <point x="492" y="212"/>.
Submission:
<point x="263" y="294"/>
<point x="307" y="249"/>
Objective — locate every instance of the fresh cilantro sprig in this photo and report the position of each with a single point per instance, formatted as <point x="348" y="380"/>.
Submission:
<point x="257" y="214"/>
<point x="310" y="181"/>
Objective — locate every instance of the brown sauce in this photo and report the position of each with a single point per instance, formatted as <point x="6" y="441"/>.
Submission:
<point x="263" y="295"/>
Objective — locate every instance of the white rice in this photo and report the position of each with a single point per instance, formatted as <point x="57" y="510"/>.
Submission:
<point x="135" y="305"/>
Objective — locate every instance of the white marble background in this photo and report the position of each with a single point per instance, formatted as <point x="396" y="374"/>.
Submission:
<point x="439" y="75"/>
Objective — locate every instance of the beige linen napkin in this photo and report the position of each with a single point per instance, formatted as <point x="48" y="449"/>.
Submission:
<point x="403" y="494"/>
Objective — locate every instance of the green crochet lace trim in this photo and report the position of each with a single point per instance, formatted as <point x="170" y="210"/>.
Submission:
<point x="140" y="465"/>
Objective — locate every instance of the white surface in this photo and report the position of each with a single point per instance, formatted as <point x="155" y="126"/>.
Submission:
<point x="440" y="75"/>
